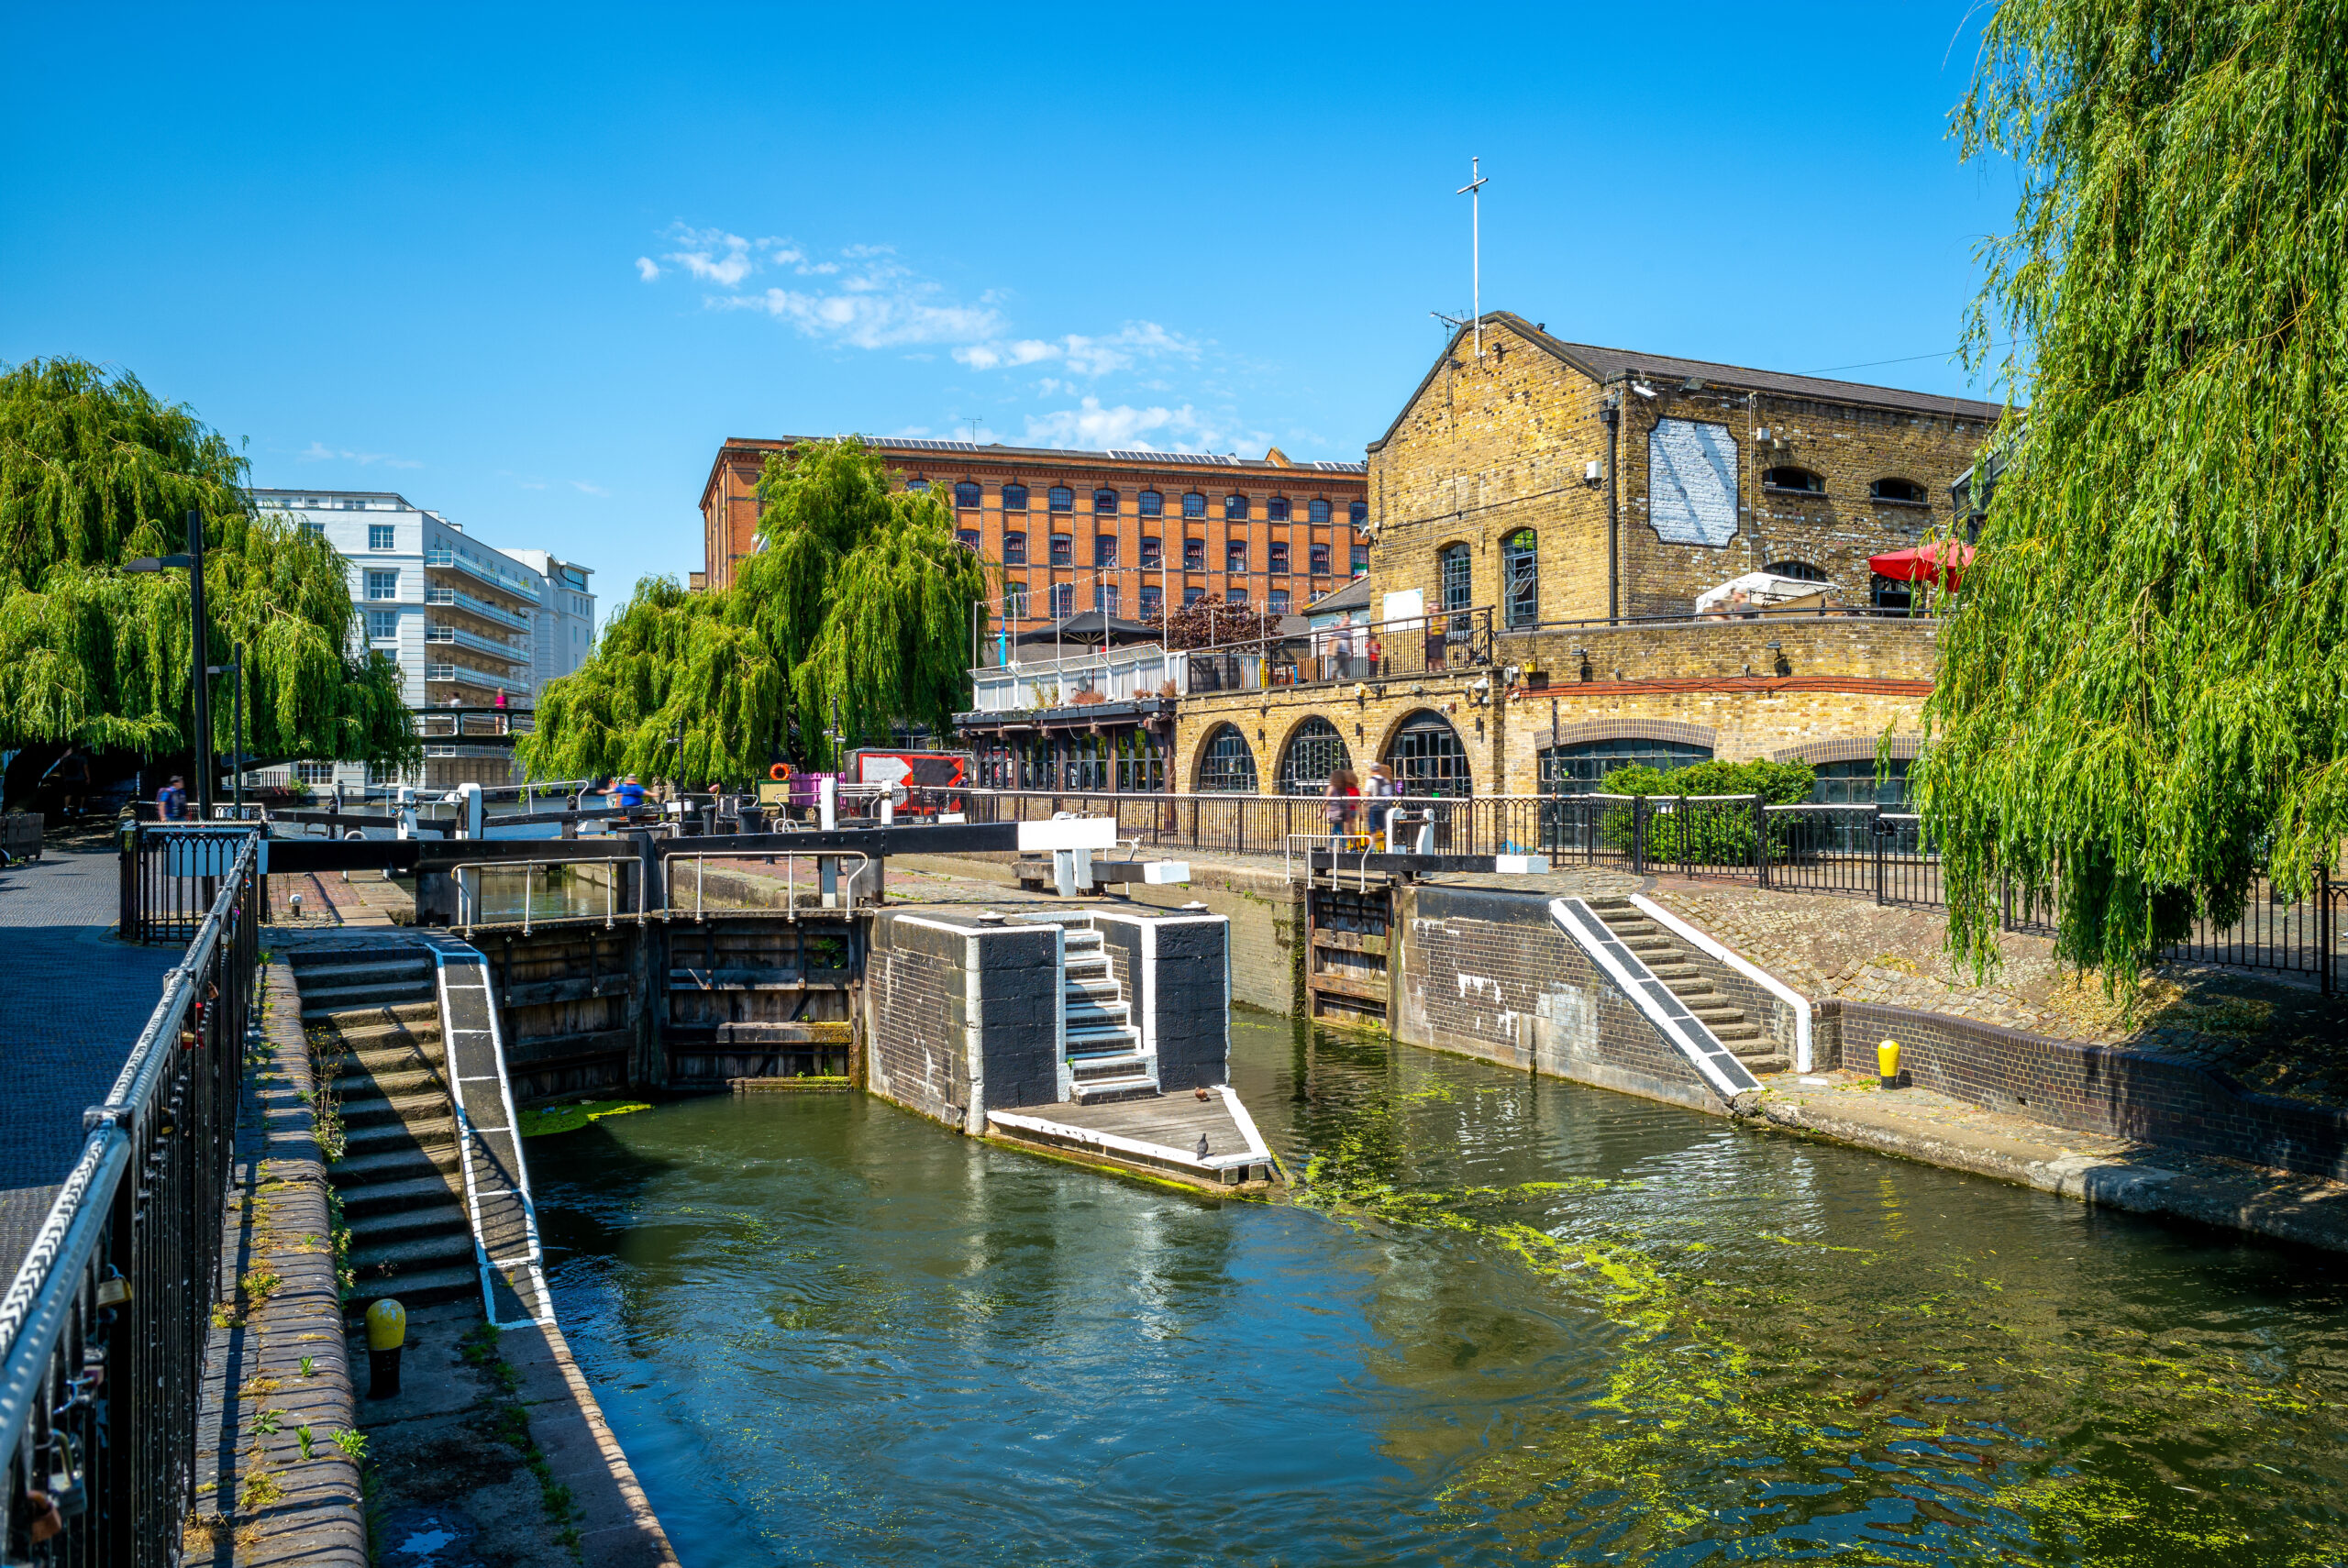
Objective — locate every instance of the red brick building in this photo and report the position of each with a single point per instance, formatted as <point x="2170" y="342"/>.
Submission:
<point x="1133" y="534"/>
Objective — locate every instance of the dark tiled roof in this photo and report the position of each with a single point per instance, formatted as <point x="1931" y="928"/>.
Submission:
<point x="1610" y="364"/>
<point x="1354" y="595"/>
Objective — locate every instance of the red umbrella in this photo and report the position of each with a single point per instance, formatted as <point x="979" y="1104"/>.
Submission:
<point x="1943" y="562"/>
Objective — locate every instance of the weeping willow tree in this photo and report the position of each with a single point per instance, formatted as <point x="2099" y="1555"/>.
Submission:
<point x="857" y="607"/>
<point x="2144" y="696"/>
<point x="94" y="470"/>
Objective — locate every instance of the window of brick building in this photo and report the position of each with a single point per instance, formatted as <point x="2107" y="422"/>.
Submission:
<point x="1794" y="478"/>
<point x="1276" y="556"/>
<point x="1104" y="503"/>
<point x="967" y="537"/>
<point x="1279" y="597"/>
<point x="1014" y="498"/>
<point x="1153" y="552"/>
<point x="1236" y="598"/>
<point x="1151" y="503"/>
<point x="1194" y="555"/>
<point x="1360" y="561"/>
<point x="1276" y="509"/>
<point x="1234" y="509"/>
<point x="1357" y="513"/>
<point x="1104" y="598"/>
<point x="1104" y="550"/>
<point x="1063" y="549"/>
<point x="1453" y="564"/>
<point x="1319" y="511"/>
<point x="1153" y="603"/>
<point x="1234" y="556"/>
<point x="1801" y="571"/>
<point x="1059" y="498"/>
<point x="1520" y="580"/>
<point x="1900" y="489"/>
<point x="1191" y="596"/>
<point x="1014" y="600"/>
<point x="966" y="494"/>
<point x="1063" y="601"/>
<point x="1014" y="549"/>
<point x="1318" y="556"/>
<point x="1195" y="505"/>
<point x="1226" y="766"/>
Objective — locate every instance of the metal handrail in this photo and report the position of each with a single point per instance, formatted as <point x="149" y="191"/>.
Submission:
<point x="790" y="876"/>
<point x="611" y="890"/>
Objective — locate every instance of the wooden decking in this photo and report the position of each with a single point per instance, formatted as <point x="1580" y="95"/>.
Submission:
<point x="1159" y="1135"/>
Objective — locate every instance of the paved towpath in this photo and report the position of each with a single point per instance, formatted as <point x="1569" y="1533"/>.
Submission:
<point x="72" y="1001"/>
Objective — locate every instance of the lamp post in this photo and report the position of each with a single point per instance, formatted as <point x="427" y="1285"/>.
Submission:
<point x="193" y="561"/>
<point x="236" y="666"/>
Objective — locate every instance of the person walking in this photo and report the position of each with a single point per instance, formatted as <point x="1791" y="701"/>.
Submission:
<point x="72" y="772"/>
<point x="1377" y="790"/>
<point x="1342" y="641"/>
<point x="1344" y="795"/>
<point x="171" y="800"/>
<point x="627" y="796"/>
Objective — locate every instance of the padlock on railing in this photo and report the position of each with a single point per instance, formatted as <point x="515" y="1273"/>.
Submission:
<point x="65" y="1488"/>
<point x="113" y="1290"/>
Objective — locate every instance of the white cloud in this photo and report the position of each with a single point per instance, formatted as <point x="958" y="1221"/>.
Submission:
<point x="1119" y="350"/>
<point x="716" y="257"/>
<point x="647" y="269"/>
<point x="1155" y="429"/>
<point x="584" y="488"/>
<point x="319" y="452"/>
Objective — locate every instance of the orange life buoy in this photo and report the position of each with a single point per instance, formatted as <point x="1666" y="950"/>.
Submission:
<point x="780" y="771"/>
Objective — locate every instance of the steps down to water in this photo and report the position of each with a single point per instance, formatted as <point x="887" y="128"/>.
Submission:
<point x="1676" y="967"/>
<point x="373" y="1018"/>
<point x="1105" y="1056"/>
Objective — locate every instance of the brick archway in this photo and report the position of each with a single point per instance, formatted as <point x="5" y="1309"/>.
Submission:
<point x="1850" y="748"/>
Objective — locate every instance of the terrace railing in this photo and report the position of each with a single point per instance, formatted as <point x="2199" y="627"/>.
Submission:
<point x="102" y="1332"/>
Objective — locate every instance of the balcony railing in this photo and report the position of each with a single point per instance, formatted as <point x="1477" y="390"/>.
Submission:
<point x="514" y="583"/>
<point x="516" y="649"/>
<point x="453" y="599"/>
<point x="466" y="675"/>
<point x="1121" y="675"/>
<point x="457" y="724"/>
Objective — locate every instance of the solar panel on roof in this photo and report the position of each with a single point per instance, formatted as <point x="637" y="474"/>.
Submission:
<point x="932" y="445"/>
<point x="1341" y="468"/>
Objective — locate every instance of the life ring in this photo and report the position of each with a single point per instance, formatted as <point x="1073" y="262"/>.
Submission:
<point x="778" y="772"/>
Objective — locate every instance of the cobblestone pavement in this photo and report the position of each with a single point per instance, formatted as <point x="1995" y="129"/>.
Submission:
<point x="2271" y="1034"/>
<point x="72" y="1001"/>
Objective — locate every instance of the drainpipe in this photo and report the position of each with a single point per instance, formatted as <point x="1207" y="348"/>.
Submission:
<point x="1612" y="414"/>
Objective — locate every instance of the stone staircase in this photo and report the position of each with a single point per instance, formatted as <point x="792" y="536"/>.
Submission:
<point x="1672" y="963"/>
<point x="1104" y="1051"/>
<point x="373" y="1018"/>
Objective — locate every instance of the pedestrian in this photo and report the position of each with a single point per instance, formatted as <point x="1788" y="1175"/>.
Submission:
<point x="1344" y="795"/>
<point x="171" y="800"/>
<point x="1378" y="791"/>
<point x="1342" y="646"/>
<point x="500" y="697"/>
<point x="1375" y="653"/>
<point x="627" y="796"/>
<point x="72" y="772"/>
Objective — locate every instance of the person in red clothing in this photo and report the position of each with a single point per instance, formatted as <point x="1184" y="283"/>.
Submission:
<point x="1344" y="797"/>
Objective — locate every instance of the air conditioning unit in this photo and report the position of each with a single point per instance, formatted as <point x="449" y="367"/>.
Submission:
<point x="1762" y="434"/>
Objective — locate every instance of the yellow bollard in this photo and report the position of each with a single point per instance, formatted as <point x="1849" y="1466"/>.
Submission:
<point x="1886" y="1063"/>
<point x="386" y="1333"/>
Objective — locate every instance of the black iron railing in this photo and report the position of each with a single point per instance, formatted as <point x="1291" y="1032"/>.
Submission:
<point x="102" y="1332"/>
<point x="171" y="876"/>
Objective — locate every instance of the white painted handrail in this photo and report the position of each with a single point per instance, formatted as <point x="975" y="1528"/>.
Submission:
<point x="1751" y="971"/>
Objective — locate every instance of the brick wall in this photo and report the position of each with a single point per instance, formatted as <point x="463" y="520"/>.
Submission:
<point x="1489" y="974"/>
<point x="2090" y="1088"/>
<point x="915" y="1052"/>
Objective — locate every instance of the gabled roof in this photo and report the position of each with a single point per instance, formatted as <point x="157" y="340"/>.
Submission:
<point x="1603" y="365"/>
<point x="1354" y="595"/>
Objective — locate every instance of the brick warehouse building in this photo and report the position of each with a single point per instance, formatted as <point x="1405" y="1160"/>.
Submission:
<point x="1554" y="509"/>
<point x="1133" y="534"/>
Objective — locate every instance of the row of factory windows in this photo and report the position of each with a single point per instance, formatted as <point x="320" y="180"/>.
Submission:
<point x="1059" y="601"/>
<point x="1107" y="503"/>
<point x="1278" y="560"/>
<point x="1520" y="580"/>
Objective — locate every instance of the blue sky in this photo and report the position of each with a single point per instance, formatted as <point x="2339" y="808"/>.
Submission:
<point x="529" y="267"/>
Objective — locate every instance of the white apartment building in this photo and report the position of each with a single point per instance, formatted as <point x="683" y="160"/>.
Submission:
<point x="475" y="631"/>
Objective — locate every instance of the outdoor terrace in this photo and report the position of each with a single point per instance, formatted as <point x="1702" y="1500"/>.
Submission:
<point x="447" y="598"/>
<point x="514" y="581"/>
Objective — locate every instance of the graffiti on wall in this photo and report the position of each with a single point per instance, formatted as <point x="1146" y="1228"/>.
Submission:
<point x="1691" y="482"/>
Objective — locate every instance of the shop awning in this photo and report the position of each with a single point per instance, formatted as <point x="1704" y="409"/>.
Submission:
<point x="1943" y="562"/>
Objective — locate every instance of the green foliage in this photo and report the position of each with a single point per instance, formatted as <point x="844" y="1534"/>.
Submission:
<point x="96" y="470"/>
<point x="2146" y="692"/>
<point x="859" y="596"/>
<point x="1705" y="832"/>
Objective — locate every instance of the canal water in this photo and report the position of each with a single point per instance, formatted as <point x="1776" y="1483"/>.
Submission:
<point x="1506" y="1320"/>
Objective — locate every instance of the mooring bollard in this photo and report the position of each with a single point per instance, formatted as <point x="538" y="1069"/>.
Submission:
<point x="386" y="1331"/>
<point x="1886" y="1063"/>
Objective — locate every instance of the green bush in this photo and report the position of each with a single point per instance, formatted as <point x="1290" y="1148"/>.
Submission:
<point x="1704" y="833"/>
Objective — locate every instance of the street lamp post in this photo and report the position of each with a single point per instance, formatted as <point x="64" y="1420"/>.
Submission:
<point x="200" y="667"/>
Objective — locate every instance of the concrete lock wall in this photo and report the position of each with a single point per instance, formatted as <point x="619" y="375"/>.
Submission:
<point x="1487" y="973"/>
<point x="1180" y="989"/>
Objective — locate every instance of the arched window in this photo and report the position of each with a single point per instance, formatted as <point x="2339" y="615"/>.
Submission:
<point x="1105" y="550"/>
<point x="1794" y="478"/>
<point x="1104" y="503"/>
<point x="1520" y="580"/>
<point x="1853" y="783"/>
<point x="1314" y="752"/>
<point x="1907" y="492"/>
<point x="1357" y="513"/>
<point x="1319" y="511"/>
<point x="1195" y="505"/>
<point x="965" y="494"/>
<point x="1276" y="509"/>
<point x="1579" y="768"/>
<point x="1427" y="759"/>
<point x="1014" y="498"/>
<point x="965" y="537"/>
<point x="1061" y="499"/>
<point x="1226" y="766"/>
<point x="919" y="487"/>
<point x="1234" y="509"/>
<point x="1801" y="571"/>
<point x="1151" y="503"/>
<point x="1453" y="564"/>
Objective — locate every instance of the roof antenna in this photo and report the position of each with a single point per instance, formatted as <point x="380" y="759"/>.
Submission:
<point x="975" y="425"/>
<point x="1474" y="191"/>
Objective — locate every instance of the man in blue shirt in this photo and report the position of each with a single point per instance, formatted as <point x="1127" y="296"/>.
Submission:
<point x="629" y="795"/>
<point x="171" y="800"/>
